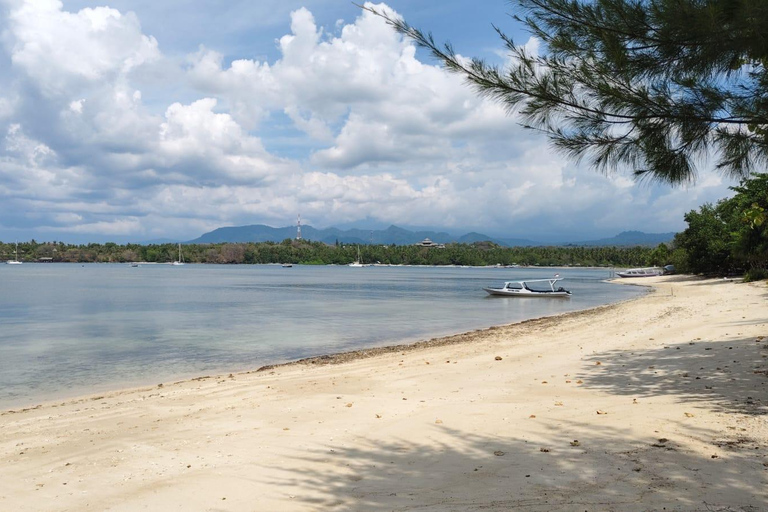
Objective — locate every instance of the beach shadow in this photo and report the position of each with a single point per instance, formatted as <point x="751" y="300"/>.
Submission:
<point x="681" y="278"/>
<point x="700" y="280"/>
<point x="729" y="375"/>
<point x="449" y="469"/>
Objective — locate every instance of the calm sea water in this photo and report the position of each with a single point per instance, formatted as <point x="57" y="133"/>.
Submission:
<point x="71" y="329"/>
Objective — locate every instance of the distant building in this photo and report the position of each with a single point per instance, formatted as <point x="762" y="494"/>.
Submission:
<point x="429" y="243"/>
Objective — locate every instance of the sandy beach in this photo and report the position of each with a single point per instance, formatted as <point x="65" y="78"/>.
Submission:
<point x="657" y="403"/>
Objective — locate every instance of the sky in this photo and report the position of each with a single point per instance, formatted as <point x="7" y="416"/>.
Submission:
<point x="137" y="120"/>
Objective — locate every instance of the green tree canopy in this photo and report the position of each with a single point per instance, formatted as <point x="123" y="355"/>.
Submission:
<point x="730" y="236"/>
<point x="650" y="85"/>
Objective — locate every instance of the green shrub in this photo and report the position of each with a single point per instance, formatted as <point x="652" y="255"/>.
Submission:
<point x="755" y="274"/>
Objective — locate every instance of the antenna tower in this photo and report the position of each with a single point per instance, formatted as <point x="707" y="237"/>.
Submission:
<point x="298" y="228"/>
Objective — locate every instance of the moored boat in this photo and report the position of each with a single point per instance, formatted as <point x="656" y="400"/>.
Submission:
<point x="15" y="260"/>
<point x="521" y="289"/>
<point x="641" y="272"/>
<point x="180" y="261"/>
<point x="359" y="261"/>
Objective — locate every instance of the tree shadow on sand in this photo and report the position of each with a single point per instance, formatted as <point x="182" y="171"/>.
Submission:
<point x="564" y="466"/>
<point x="455" y="470"/>
<point x="701" y="281"/>
<point x="729" y="375"/>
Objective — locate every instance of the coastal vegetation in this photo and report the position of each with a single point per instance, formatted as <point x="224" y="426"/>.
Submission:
<point x="728" y="237"/>
<point x="317" y="253"/>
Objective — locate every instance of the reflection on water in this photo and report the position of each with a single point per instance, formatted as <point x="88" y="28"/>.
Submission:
<point x="74" y="329"/>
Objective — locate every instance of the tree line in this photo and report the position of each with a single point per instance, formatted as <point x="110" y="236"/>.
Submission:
<point x="730" y="237"/>
<point x="316" y="253"/>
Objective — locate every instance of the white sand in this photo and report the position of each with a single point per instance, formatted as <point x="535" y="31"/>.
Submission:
<point x="667" y="397"/>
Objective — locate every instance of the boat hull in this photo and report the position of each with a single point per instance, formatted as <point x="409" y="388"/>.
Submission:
<point x="502" y="292"/>
<point x="641" y="272"/>
<point x="625" y="275"/>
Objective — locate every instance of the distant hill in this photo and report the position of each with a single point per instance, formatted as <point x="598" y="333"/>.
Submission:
<point x="627" y="238"/>
<point x="473" y="237"/>
<point x="400" y="236"/>
<point x="255" y="233"/>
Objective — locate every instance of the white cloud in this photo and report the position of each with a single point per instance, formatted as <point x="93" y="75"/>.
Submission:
<point x="33" y="152"/>
<point x="196" y="136"/>
<point x="106" y="135"/>
<point x="77" y="106"/>
<point x="60" y="51"/>
<point x="120" y="227"/>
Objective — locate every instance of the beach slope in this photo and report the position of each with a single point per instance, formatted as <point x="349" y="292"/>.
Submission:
<point x="661" y="402"/>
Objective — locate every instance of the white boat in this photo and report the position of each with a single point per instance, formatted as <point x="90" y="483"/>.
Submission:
<point x="357" y="263"/>
<point x="641" y="272"/>
<point x="287" y="265"/>
<point x="180" y="261"/>
<point x="521" y="289"/>
<point x="15" y="261"/>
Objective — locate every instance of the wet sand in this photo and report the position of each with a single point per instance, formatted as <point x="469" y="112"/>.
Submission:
<point x="653" y="403"/>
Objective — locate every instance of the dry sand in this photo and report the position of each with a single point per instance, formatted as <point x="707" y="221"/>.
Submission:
<point x="657" y="403"/>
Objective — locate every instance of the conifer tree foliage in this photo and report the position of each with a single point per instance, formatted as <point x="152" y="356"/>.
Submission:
<point x="654" y="86"/>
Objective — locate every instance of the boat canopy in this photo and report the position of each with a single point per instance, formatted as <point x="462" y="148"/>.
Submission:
<point x="524" y="284"/>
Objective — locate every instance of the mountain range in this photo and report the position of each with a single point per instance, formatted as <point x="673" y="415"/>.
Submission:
<point x="399" y="236"/>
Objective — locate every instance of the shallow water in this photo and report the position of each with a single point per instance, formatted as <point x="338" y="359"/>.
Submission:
<point x="70" y="329"/>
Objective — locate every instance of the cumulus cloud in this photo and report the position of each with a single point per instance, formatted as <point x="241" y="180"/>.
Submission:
<point x="364" y="89"/>
<point x="119" y="227"/>
<point x="60" y="50"/>
<point x="106" y="135"/>
<point x="195" y="134"/>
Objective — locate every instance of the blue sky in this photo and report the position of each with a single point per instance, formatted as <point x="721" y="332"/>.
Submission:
<point x="138" y="120"/>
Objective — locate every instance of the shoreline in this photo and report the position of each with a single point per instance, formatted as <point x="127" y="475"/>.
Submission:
<point x="442" y="341"/>
<point x="658" y="401"/>
<point x="335" y="358"/>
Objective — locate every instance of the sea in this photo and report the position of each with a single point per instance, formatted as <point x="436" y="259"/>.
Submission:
<point x="73" y="329"/>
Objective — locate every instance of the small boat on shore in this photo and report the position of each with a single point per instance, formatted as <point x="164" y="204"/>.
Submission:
<point x="641" y="272"/>
<point x="521" y="289"/>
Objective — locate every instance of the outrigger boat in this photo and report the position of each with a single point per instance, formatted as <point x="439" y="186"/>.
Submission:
<point x="641" y="272"/>
<point x="521" y="289"/>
